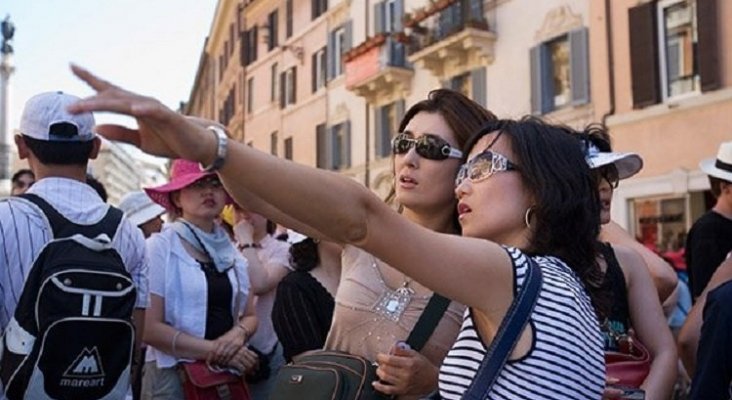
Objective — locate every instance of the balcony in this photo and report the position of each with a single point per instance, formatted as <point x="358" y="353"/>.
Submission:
<point x="377" y="69"/>
<point x="451" y="41"/>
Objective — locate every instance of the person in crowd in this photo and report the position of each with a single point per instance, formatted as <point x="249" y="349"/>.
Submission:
<point x="690" y="334"/>
<point x="145" y="214"/>
<point x="98" y="186"/>
<point x="524" y="191"/>
<point x="269" y="263"/>
<point x="21" y="181"/>
<point x="142" y="212"/>
<point x="710" y="238"/>
<point x="201" y="306"/>
<point x="706" y="348"/>
<point x="58" y="147"/>
<point x="303" y="308"/>
<point x="627" y="279"/>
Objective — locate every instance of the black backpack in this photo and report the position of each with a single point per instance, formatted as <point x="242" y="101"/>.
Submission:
<point x="71" y="336"/>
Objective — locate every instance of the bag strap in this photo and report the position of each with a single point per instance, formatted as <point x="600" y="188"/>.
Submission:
<point x="508" y="334"/>
<point x="427" y="322"/>
<point x="62" y="227"/>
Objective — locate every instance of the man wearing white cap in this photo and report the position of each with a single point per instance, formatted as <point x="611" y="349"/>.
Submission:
<point x="142" y="212"/>
<point x="60" y="205"/>
<point x="710" y="238"/>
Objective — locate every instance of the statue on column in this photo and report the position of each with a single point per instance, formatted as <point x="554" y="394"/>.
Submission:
<point x="8" y="30"/>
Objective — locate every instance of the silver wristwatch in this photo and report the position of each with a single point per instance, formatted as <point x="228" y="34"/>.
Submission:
<point x="221" y="142"/>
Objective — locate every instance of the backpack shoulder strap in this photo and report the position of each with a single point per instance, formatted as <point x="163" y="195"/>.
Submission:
<point x="62" y="227"/>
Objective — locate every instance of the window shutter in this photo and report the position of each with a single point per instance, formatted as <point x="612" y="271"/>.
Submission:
<point x="379" y="17"/>
<point x="294" y="85"/>
<point x="708" y="44"/>
<point x="314" y="72"/>
<point x="283" y="89"/>
<point x="385" y="133"/>
<point x="243" y="48"/>
<point x="644" y="55"/>
<point x="331" y="55"/>
<point x="322" y="155"/>
<point x="255" y="43"/>
<point x="399" y="17"/>
<point x="379" y="130"/>
<point x="347" y="144"/>
<point x="348" y="35"/>
<point x="333" y="147"/>
<point x="399" y="116"/>
<point x="536" y="80"/>
<point x="478" y="80"/>
<point x="579" y="66"/>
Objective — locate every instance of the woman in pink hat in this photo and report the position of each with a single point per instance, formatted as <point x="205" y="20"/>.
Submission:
<point x="200" y="302"/>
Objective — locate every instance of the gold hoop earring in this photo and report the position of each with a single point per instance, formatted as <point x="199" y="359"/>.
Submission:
<point x="527" y="217"/>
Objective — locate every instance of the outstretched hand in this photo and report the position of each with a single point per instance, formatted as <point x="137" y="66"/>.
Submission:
<point x="161" y="131"/>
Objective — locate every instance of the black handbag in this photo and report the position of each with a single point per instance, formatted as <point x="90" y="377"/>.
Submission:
<point x="335" y="375"/>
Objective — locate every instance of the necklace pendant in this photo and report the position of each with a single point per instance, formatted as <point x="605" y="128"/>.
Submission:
<point x="392" y="303"/>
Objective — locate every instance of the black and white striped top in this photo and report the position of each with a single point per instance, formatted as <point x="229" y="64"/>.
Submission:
<point x="566" y="360"/>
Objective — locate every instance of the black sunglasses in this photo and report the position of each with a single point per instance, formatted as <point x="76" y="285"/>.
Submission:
<point x="609" y="173"/>
<point x="431" y="147"/>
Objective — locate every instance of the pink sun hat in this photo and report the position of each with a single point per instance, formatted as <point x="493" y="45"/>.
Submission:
<point x="183" y="173"/>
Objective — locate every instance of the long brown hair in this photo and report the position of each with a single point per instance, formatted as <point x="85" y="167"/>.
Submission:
<point x="464" y="117"/>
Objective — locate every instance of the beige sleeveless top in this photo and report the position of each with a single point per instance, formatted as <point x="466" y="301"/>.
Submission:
<point x="359" y="327"/>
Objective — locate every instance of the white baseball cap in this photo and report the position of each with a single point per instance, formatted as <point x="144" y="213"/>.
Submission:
<point x="627" y="164"/>
<point x="139" y="208"/>
<point x="45" y="118"/>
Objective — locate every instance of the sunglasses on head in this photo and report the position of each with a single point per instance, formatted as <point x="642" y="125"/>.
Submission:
<point x="431" y="147"/>
<point x="608" y="173"/>
<point x="483" y="166"/>
<point x="206" y="183"/>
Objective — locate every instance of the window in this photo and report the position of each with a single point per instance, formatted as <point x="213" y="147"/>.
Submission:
<point x="273" y="83"/>
<point x="226" y="113"/>
<point x="339" y="42"/>
<point x="250" y="95"/>
<point x="334" y="146"/>
<point x="273" y="30"/>
<point x="560" y="72"/>
<point x="460" y="83"/>
<point x="678" y="38"/>
<point x="673" y="49"/>
<point x="319" y="69"/>
<point x="559" y="63"/>
<point x="249" y="45"/>
<point x="318" y="7"/>
<point x="288" y="87"/>
<point x="288" y="148"/>
<point x="288" y="17"/>
<point x="273" y="143"/>
<point x="387" y="125"/>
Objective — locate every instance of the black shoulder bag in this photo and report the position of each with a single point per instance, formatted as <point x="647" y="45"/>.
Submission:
<point x="338" y="375"/>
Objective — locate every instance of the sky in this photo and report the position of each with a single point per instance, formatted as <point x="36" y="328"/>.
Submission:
<point x="147" y="46"/>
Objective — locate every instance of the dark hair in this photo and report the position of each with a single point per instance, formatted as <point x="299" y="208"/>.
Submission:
<point x="60" y="153"/>
<point x="596" y="134"/>
<point x="462" y="115"/>
<point x="21" y="172"/>
<point x="567" y="210"/>
<point x="715" y="185"/>
<point x="97" y="186"/>
<point x="304" y="255"/>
